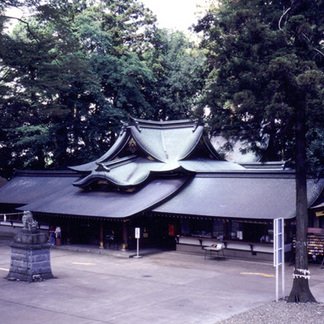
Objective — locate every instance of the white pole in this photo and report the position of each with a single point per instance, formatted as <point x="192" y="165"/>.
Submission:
<point x="279" y="254"/>
<point x="275" y="254"/>
<point x="277" y="283"/>
<point x="137" y="236"/>
<point x="283" y="260"/>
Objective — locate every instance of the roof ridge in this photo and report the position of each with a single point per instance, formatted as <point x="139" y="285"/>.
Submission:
<point x="164" y="146"/>
<point x="117" y="162"/>
<point x="45" y="173"/>
<point x="164" y="124"/>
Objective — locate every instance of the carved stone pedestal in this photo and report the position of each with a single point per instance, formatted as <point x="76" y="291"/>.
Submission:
<point x="30" y="257"/>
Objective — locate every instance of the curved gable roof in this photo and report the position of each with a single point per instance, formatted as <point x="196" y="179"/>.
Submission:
<point x="168" y="144"/>
<point x="158" y="147"/>
<point x="120" y="143"/>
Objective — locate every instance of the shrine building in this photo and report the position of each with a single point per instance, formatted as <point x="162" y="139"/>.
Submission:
<point x="167" y="179"/>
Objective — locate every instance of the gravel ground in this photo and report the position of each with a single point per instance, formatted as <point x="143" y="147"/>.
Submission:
<point x="281" y="312"/>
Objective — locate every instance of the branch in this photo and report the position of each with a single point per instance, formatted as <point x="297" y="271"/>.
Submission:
<point x="24" y="22"/>
<point x="303" y="34"/>
<point x="318" y="51"/>
<point x="313" y="48"/>
<point x="282" y="16"/>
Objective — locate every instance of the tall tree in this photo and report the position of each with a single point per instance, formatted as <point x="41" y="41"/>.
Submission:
<point x="178" y="68"/>
<point x="302" y="16"/>
<point x="71" y="67"/>
<point x="264" y="84"/>
<point x="71" y="70"/>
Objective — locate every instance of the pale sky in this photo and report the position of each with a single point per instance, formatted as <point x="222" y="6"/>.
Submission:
<point x="175" y="14"/>
<point x="171" y="14"/>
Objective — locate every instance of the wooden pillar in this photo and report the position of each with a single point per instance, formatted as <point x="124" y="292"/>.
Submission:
<point x="68" y="231"/>
<point x="228" y="229"/>
<point x="101" y="235"/>
<point x="125" y="235"/>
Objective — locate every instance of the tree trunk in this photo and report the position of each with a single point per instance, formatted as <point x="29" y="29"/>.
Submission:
<point x="300" y="292"/>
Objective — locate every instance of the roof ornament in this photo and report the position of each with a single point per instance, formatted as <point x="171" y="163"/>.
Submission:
<point x="102" y="167"/>
<point x="132" y="145"/>
<point x="198" y="122"/>
<point x="134" y="122"/>
<point x="124" y="127"/>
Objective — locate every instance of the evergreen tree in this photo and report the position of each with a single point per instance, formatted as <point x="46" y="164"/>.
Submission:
<point x="178" y="67"/>
<point x="265" y="84"/>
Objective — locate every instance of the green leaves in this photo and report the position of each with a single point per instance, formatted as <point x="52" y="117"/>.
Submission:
<point x="30" y="135"/>
<point x="178" y="69"/>
<point x="64" y="71"/>
<point x="73" y="69"/>
<point x="262" y="71"/>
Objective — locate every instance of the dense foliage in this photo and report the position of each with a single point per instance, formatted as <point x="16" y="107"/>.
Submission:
<point x="265" y="62"/>
<point x="72" y="70"/>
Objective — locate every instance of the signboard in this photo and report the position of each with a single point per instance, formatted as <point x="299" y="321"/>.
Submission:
<point x="137" y="232"/>
<point x="279" y="247"/>
<point x="320" y="213"/>
<point x="137" y="236"/>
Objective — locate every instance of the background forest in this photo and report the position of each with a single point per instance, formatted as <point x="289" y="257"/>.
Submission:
<point x="71" y="71"/>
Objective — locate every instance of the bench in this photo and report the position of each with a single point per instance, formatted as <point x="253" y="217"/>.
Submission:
<point x="217" y="248"/>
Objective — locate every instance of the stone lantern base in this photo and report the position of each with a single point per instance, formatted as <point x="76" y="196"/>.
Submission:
<point x="30" y="257"/>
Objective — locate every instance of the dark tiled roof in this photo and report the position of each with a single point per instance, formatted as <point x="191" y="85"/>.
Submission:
<point x="240" y="194"/>
<point x="27" y="187"/>
<point x="53" y="192"/>
<point x="245" y="195"/>
<point x="3" y="181"/>
<point x="70" y="200"/>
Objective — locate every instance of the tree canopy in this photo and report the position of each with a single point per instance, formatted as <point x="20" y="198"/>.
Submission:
<point x="71" y="70"/>
<point x="265" y="58"/>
